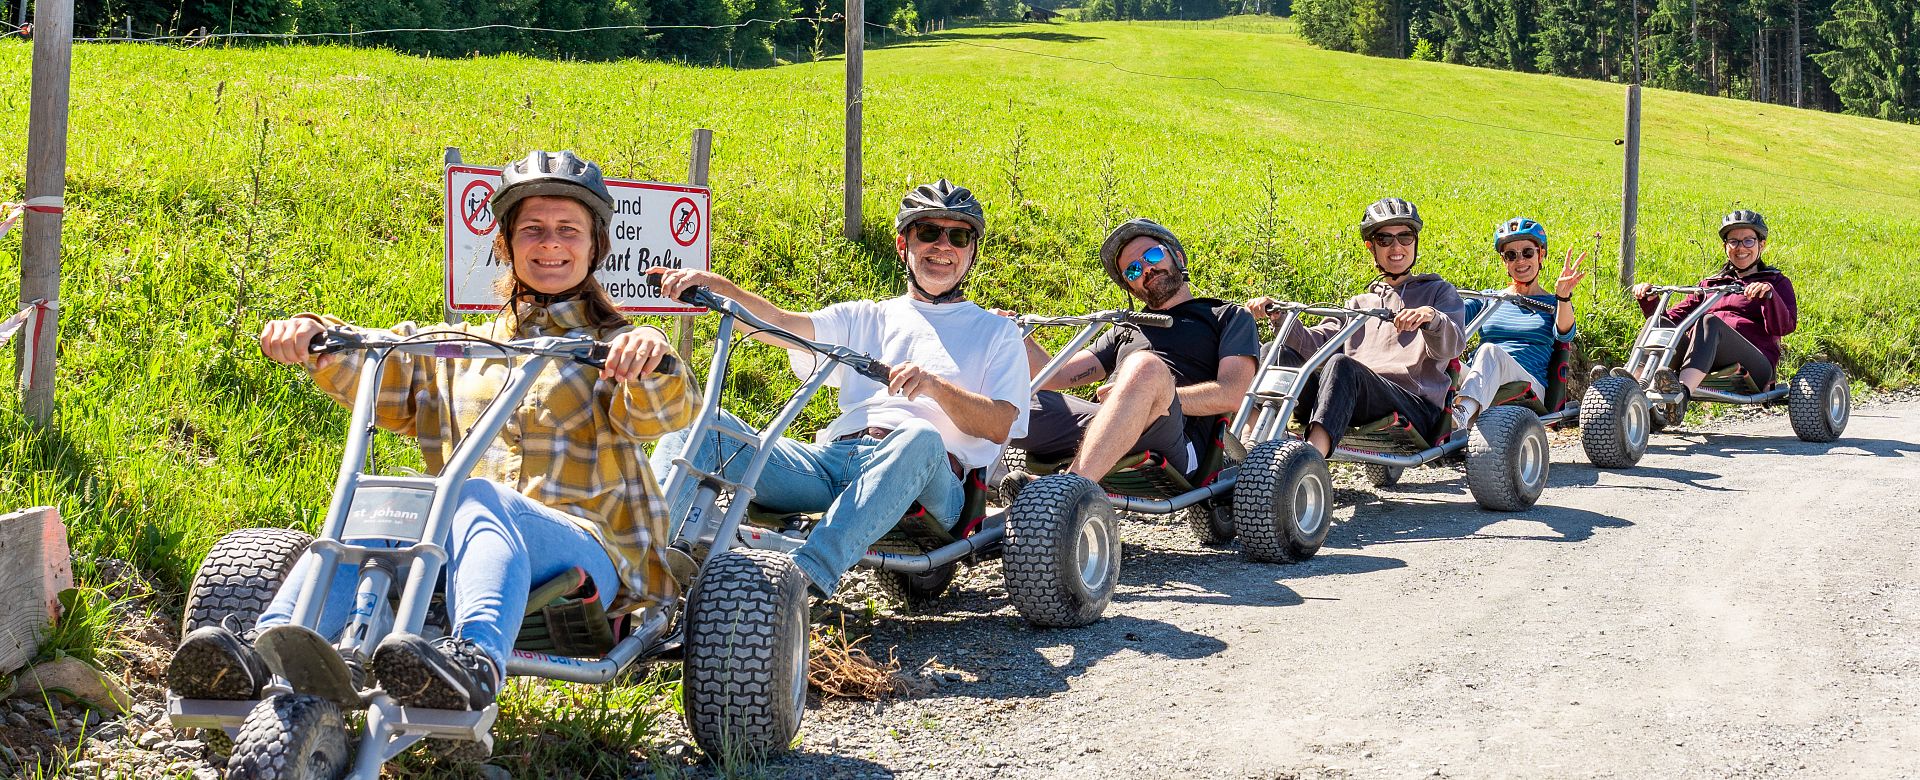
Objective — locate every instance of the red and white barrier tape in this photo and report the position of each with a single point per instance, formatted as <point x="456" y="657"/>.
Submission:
<point x="33" y="319"/>
<point x="45" y="204"/>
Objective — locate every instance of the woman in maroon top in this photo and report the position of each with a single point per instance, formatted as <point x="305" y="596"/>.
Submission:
<point x="1743" y="328"/>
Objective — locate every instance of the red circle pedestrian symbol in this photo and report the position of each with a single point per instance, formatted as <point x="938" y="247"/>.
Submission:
<point x="685" y="221"/>
<point x="475" y="206"/>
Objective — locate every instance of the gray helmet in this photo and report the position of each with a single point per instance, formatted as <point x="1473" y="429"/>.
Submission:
<point x="1744" y="219"/>
<point x="558" y="174"/>
<point x="941" y="199"/>
<point x="1129" y="230"/>
<point x="1386" y="212"/>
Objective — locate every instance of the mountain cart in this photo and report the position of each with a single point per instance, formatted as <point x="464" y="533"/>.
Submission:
<point x="395" y="530"/>
<point x="1622" y="407"/>
<point x="1284" y="495"/>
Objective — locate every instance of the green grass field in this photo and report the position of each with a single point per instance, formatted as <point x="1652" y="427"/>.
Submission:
<point x="212" y="189"/>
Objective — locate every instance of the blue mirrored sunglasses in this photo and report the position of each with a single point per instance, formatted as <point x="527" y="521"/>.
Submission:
<point x="1137" y="268"/>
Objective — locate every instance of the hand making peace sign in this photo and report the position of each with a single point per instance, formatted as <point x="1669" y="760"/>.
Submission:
<point x="1570" y="274"/>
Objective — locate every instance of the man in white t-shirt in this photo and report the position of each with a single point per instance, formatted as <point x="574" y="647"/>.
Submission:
<point x="957" y="392"/>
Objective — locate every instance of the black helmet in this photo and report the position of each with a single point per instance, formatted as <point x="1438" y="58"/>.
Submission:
<point x="1129" y="230"/>
<point x="1389" y="211"/>
<point x="940" y="199"/>
<point x="558" y="174"/>
<point x="1743" y="219"/>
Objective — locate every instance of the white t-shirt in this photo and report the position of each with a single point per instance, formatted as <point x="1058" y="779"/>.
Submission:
<point x="973" y="348"/>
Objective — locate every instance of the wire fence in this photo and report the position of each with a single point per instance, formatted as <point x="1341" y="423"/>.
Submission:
<point x="198" y="38"/>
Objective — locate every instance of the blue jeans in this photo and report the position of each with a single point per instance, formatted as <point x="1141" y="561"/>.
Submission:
<point x="502" y="544"/>
<point x="863" y="485"/>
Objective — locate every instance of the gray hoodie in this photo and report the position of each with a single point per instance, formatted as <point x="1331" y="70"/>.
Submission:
<point x="1415" y="360"/>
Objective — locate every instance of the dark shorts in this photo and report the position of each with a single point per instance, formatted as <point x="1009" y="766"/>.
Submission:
<point x="1057" y="423"/>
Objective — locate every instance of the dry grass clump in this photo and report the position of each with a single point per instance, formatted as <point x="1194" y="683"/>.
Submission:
<point x="838" y="668"/>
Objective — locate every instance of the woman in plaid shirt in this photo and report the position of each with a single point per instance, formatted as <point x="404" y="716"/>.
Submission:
<point x="563" y="486"/>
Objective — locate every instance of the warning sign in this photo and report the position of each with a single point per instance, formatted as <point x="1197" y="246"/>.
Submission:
<point x="654" y="226"/>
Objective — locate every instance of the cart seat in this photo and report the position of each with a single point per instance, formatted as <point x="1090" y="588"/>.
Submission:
<point x="1731" y="379"/>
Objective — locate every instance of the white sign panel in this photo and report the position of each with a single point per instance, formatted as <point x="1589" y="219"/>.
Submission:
<point x="654" y="226"/>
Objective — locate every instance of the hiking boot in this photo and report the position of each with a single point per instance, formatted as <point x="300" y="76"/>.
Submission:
<point x="1596" y="373"/>
<point x="213" y="662"/>
<point x="1665" y="383"/>
<point x="449" y="673"/>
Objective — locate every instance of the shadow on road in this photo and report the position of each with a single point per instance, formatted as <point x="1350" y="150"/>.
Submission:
<point x="1584" y="476"/>
<point x="1729" y="445"/>
<point x="1226" y="578"/>
<point x="1398" y="523"/>
<point x="1010" y="659"/>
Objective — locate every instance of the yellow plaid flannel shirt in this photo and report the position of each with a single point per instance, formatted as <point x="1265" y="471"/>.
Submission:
<point x="573" y="445"/>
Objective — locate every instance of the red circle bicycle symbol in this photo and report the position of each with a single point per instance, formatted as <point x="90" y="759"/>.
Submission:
<point x="685" y="222"/>
<point x="475" y="210"/>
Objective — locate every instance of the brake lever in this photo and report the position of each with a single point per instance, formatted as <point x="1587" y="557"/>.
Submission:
<point x="874" y="370"/>
<point x="333" y="340"/>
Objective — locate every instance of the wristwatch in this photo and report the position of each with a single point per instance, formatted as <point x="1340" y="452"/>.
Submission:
<point x="1568" y="299"/>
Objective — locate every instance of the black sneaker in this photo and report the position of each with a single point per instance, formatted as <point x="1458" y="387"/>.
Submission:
<point x="1014" y="482"/>
<point x="449" y="673"/>
<point x="215" y="663"/>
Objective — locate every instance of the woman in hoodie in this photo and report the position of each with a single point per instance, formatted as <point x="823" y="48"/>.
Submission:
<point x="564" y="486"/>
<point x="1744" y="328"/>
<point x="1385" y="367"/>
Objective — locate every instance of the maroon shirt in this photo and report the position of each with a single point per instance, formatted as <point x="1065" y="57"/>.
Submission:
<point x="1761" y="322"/>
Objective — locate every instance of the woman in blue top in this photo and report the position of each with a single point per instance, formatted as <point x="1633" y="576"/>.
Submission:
<point x="1515" y="343"/>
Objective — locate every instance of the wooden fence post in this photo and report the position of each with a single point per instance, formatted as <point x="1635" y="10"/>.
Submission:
<point x="46" y="192"/>
<point x="856" y="44"/>
<point x="697" y="163"/>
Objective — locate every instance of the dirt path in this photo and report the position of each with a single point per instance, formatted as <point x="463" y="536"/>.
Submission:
<point x="1740" y="605"/>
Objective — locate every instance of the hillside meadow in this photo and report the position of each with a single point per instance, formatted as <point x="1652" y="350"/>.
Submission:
<point x="212" y="189"/>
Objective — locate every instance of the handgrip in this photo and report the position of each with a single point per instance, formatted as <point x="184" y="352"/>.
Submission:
<point x="1149" y="319"/>
<point x="597" y="357"/>
<point x="700" y="296"/>
<point x="1529" y="303"/>
<point x="330" y="341"/>
<point x="874" y="370"/>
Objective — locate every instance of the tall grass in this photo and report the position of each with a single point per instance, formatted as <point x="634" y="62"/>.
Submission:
<point x="213" y="189"/>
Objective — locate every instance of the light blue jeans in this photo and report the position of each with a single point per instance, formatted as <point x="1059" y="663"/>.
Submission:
<point x="863" y="485"/>
<point x="502" y="544"/>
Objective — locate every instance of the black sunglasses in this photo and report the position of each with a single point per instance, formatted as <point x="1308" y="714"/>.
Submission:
<point x="1389" y="239"/>
<point x="1518" y="254"/>
<point x="928" y="233"/>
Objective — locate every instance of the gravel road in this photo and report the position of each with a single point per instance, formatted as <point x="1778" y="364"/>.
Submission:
<point x="1742" y="604"/>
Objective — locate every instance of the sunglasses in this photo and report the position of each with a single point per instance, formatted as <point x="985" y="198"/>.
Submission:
<point x="928" y="233"/>
<point x="1138" y="268"/>
<point x="1743" y="243"/>
<point x="1389" y="239"/>
<point x="1518" y="254"/>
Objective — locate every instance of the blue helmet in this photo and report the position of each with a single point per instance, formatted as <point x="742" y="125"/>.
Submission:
<point x="1519" y="228"/>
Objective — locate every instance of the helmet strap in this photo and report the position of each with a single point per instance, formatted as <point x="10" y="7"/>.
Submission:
<point x="958" y="293"/>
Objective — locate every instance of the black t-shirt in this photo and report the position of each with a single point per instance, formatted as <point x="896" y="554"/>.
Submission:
<point x="1204" y="331"/>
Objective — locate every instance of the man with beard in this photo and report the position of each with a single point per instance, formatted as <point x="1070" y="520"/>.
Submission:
<point x="1167" y="383"/>
<point x="1397" y="367"/>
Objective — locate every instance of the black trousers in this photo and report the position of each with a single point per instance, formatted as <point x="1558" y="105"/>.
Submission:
<point x="1057" y="423"/>
<point x="1345" y="392"/>
<point x="1711" y="344"/>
